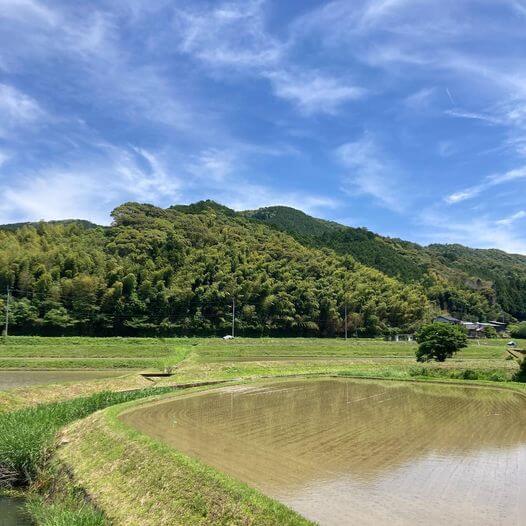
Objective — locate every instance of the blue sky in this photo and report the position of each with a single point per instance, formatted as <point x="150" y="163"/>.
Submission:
<point x="405" y="116"/>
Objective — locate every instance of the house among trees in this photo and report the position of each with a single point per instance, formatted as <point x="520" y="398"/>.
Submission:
<point x="500" y="326"/>
<point x="446" y="319"/>
<point x="475" y="329"/>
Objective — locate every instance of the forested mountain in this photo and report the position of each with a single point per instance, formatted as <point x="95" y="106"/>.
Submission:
<point x="293" y="221"/>
<point x="178" y="271"/>
<point x="462" y="280"/>
<point x="506" y="272"/>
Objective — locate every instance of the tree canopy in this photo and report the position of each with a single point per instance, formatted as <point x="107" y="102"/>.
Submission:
<point x="177" y="271"/>
<point x="438" y="341"/>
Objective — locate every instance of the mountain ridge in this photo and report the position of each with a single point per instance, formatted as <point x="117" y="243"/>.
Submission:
<point x="460" y="280"/>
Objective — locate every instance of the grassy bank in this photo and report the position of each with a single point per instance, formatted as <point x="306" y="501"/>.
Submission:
<point x="120" y="468"/>
<point x="47" y="352"/>
<point x="37" y="352"/>
<point x="27" y="435"/>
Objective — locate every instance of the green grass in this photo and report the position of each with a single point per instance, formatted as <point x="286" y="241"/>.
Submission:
<point x="83" y="363"/>
<point x="140" y="353"/>
<point x="66" y="510"/>
<point x="27" y="435"/>
<point x="88" y="347"/>
<point x="38" y="352"/>
<point x="241" y="349"/>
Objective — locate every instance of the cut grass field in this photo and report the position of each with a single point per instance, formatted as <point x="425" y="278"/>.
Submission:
<point x="37" y="352"/>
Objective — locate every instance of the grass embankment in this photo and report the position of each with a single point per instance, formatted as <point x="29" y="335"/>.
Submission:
<point x="137" y="480"/>
<point x="27" y="438"/>
<point x="27" y="435"/>
<point x="213" y="359"/>
<point x="38" y="352"/>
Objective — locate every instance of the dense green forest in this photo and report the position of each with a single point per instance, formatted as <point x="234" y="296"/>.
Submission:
<point x="469" y="283"/>
<point x="179" y="271"/>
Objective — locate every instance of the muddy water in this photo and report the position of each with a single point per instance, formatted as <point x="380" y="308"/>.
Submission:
<point x="12" y="513"/>
<point x="21" y="378"/>
<point x="348" y="451"/>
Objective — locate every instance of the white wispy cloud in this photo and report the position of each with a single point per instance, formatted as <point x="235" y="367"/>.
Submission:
<point x="4" y="157"/>
<point x="17" y="107"/>
<point x="107" y="75"/>
<point x="28" y="10"/>
<point x="312" y="91"/>
<point x="213" y="164"/>
<point x="490" y="119"/>
<point x="234" y="36"/>
<point x="420" y="100"/>
<point x="479" y="232"/>
<point x="89" y="188"/>
<point x="368" y="171"/>
<point x="521" y="214"/>
<point x="230" y="34"/>
<point x="488" y="182"/>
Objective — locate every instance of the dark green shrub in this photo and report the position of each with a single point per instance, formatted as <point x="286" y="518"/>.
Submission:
<point x="439" y="341"/>
<point x="469" y="374"/>
<point x="518" y="330"/>
<point x="520" y="375"/>
<point x="490" y="332"/>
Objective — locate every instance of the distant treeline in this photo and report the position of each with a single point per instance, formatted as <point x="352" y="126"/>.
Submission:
<point x="178" y="271"/>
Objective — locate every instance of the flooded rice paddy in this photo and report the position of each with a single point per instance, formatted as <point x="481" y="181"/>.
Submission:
<point x="348" y="451"/>
<point x="22" y="378"/>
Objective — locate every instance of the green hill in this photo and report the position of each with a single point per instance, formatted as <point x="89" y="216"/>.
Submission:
<point x="293" y="221"/>
<point x="459" y="279"/>
<point x="177" y="270"/>
<point x="81" y="222"/>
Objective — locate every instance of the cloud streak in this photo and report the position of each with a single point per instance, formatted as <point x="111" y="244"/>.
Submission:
<point x="488" y="183"/>
<point x="233" y="36"/>
<point x="369" y="172"/>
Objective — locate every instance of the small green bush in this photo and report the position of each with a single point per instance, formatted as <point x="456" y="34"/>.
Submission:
<point x="490" y="332"/>
<point x="518" y="330"/>
<point x="469" y="374"/>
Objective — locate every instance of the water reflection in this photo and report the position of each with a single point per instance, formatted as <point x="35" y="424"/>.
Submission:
<point x="12" y="513"/>
<point x="376" y="452"/>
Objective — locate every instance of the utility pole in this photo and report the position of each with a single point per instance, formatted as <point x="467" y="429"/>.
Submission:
<point x="7" y="312"/>
<point x="346" y="321"/>
<point x="233" y="316"/>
